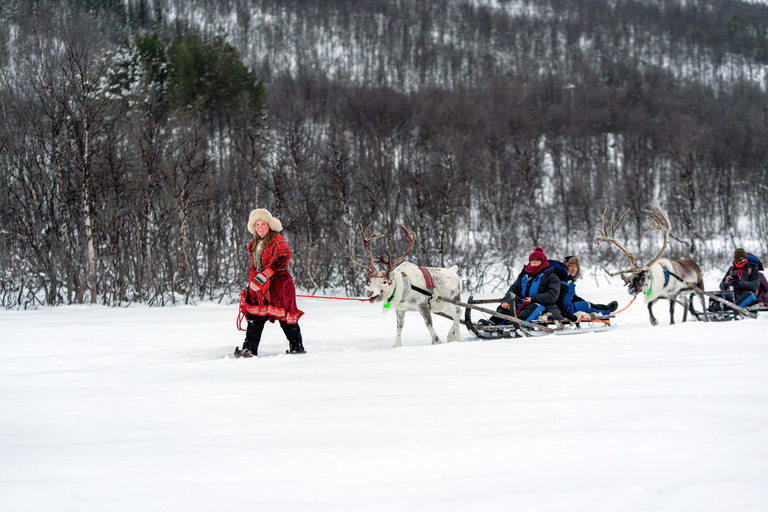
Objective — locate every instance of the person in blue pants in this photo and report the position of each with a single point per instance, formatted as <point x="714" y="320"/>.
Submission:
<point x="571" y="304"/>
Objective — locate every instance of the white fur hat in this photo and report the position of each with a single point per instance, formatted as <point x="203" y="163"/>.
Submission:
<point x="262" y="214"/>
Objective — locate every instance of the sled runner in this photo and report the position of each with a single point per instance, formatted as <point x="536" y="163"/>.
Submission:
<point x="516" y="328"/>
<point x="722" y="309"/>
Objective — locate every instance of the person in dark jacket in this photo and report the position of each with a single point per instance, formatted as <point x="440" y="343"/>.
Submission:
<point x="571" y="304"/>
<point x="762" y="287"/>
<point x="534" y="292"/>
<point x="743" y="277"/>
<point x="762" y="291"/>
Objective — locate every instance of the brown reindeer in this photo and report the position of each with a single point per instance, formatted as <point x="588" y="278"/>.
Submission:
<point x="393" y="287"/>
<point x="660" y="278"/>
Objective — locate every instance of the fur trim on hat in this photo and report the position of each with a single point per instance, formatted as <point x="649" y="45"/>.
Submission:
<point x="262" y="214"/>
<point x="573" y="260"/>
<point x="538" y="254"/>
<point x="739" y="254"/>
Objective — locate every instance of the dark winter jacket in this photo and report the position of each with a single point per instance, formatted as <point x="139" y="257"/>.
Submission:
<point x="543" y="288"/>
<point x="762" y="291"/>
<point x="745" y="279"/>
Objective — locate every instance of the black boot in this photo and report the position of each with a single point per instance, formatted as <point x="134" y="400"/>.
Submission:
<point x="253" y="334"/>
<point x="293" y="333"/>
<point x="611" y="306"/>
<point x="494" y="320"/>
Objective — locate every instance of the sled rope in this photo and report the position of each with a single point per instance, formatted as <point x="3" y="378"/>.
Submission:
<point x="334" y="298"/>
<point x="630" y="303"/>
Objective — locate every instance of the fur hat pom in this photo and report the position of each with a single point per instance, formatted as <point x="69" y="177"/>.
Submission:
<point x="262" y="214"/>
<point x="739" y="255"/>
<point x="538" y="254"/>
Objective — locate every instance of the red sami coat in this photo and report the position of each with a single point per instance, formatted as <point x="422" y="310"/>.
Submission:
<point x="276" y="298"/>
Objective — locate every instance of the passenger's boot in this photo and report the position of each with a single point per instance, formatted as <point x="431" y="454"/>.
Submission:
<point x="610" y="307"/>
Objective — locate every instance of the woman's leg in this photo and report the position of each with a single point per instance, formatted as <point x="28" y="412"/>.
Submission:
<point x="253" y="333"/>
<point x="293" y="333"/>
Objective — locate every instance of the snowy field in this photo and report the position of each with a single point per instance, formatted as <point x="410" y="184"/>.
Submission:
<point x="140" y="409"/>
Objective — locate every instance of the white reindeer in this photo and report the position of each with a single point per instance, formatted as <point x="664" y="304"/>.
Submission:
<point x="661" y="278"/>
<point x="394" y="287"/>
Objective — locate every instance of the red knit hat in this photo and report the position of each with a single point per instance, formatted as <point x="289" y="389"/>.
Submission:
<point x="538" y="254"/>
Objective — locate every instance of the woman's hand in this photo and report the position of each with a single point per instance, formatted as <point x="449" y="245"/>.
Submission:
<point x="257" y="283"/>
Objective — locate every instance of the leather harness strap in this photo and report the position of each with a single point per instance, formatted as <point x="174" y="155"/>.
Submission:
<point x="428" y="278"/>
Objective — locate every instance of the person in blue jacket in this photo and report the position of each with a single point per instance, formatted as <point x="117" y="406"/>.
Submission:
<point x="534" y="292"/>
<point x="743" y="277"/>
<point x="571" y="304"/>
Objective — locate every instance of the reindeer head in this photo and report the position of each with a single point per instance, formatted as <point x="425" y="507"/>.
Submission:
<point x="635" y="277"/>
<point x="380" y="284"/>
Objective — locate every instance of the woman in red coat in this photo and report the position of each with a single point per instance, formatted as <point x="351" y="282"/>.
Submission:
<point x="270" y="294"/>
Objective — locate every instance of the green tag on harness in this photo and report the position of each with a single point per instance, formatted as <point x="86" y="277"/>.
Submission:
<point x="386" y="306"/>
<point x="650" y="285"/>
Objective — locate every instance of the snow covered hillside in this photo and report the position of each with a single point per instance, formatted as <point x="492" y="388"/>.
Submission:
<point x="144" y="409"/>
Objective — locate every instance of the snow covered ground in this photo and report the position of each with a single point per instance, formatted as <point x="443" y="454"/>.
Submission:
<point x="141" y="409"/>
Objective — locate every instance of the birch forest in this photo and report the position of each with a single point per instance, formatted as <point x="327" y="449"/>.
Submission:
<point x="137" y="135"/>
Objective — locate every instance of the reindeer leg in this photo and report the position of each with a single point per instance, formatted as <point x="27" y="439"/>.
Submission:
<point x="453" y="334"/>
<point x="672" y="311"/>
<point x="684" y="300"/>
<point x="400" y="322"/>
<point x="427" y="316"/>
<point x="454" y="312"/>
<point x="650" y="312"/>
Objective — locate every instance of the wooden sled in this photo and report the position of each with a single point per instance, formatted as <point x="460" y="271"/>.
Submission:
<point x="516" y="328"/>
<point x="721" y="308"/>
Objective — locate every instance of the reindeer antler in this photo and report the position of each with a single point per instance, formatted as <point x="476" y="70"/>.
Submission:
<point x="608" y="234"/>
<point x="386" y="260"/>
<point x="366" y="238"/>
<point x="658" y="220"/>
<point x="410" y="238"/>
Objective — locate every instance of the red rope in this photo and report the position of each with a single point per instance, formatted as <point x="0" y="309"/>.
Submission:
<point x="335" y="298"/>
<point x="241" y="311"/>
<point x="630" y="303"/>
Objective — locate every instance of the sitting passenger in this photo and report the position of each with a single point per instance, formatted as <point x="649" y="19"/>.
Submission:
<point x="762" y="287"/>
<point x="533" y="293"/>
<point x="743" y="277"/>
<point x="571" y="304"/>
<point x="762" y="291"/>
